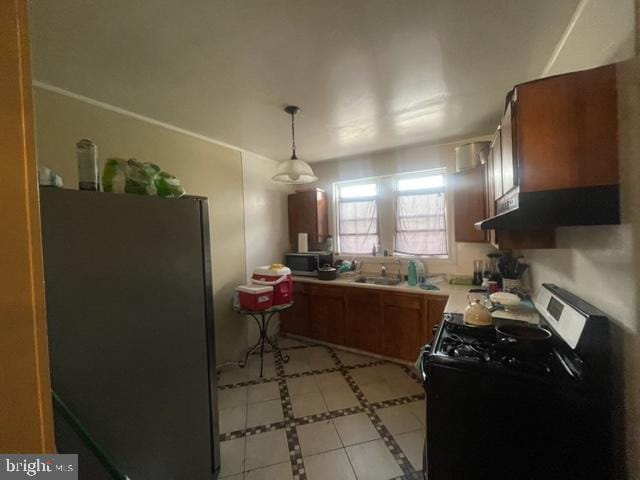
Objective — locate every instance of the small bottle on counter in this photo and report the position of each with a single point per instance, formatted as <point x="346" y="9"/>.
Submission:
<point x="373" y="250"/>
<point x="329" y="244"/>
<point x="88" y="172"/>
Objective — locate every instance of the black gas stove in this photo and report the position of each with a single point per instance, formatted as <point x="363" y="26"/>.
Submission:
<point x="481" y="348"/>
<point x="496" y="411"/>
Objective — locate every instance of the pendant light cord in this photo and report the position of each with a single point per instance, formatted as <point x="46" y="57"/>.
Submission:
<point x="293" y="137"/>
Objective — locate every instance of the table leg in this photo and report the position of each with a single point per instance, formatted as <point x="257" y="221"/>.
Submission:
<point x="263" y="328"/>
<point x="252" y="349"/>
<point x="263" y="335"/>
<point x="283" y="356"/>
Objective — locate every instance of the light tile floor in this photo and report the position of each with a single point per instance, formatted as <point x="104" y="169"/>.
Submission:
<point x="324" y="414"/>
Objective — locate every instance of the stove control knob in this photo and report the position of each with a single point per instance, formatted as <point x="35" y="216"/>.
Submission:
<point x="435" y="328"/>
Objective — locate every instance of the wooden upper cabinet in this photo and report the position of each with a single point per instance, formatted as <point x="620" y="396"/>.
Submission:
<point x="469" y="199"/>
<point x="495" y="167"/>
<point x="363" y="318"/>
<point x="327" y="314"/>
<point x="493" y="180"/>
<point x="508" y="159"/>
<point x="308" y="214"/>
<point x="566" y="131"/>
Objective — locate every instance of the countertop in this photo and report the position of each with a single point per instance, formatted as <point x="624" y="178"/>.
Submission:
<point x="457" y="294"/>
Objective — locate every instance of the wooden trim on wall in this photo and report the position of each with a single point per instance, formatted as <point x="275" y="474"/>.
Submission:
<point x="26" y="424"/>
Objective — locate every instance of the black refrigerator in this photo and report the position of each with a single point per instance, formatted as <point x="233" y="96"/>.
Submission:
<point x="131" y="332"/>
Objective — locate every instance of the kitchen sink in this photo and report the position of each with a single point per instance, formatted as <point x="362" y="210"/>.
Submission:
<point x="379" y="280"/>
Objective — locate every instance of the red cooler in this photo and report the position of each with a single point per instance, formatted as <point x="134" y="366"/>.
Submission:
<point x="279" y="278"/>
<point x="255" y="297"/>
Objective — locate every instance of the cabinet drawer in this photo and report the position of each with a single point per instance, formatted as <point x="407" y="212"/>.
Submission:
<point x="323" y="291"/>
<point x="300" y="287"/>
<point x="413" y="302"/>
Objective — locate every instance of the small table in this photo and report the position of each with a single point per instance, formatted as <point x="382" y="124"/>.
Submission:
<point x="262" y="318"/>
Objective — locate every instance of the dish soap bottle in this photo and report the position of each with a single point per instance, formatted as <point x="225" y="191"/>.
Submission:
<point x="413" y="273"/>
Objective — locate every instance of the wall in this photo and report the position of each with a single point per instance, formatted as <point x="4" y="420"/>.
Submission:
<point x="266" y="220"/>
<point x="204" y="167"/>
<point x="600" y="32"/>
<point x="405" y="160"/>
<point x="601" y="264"/>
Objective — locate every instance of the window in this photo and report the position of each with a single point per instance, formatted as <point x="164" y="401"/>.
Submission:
<point x="357" y="217"/>
<point x="403" y="213"/>
<point x="420" y="216"/>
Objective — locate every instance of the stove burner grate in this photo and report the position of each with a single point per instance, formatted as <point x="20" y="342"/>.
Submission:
<point x="485" y="348"/>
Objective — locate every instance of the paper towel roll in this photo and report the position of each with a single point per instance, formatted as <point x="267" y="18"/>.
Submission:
<point x="303" y="243"/>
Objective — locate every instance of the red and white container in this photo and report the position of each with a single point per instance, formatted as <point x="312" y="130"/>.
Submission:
<point x="279" y="278"/>
<point x="255" y="297"/>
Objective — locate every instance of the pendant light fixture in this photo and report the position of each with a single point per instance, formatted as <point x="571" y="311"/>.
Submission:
<point x="294" y="170"/>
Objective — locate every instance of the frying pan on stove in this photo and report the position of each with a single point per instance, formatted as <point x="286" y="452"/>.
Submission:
<point x="526" y="339"/>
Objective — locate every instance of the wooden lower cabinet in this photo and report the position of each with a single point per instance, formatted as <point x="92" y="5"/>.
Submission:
<point x="403" y="322"/>
<point x="393" y="324"/>
<point x="435" y="308"/>
<point x="296" y="319"/>
<point x="363" y="319"/>
<point x="326" y="308"/>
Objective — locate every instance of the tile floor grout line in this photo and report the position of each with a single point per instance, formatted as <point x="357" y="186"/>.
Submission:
<point x="293" y="443"/>
<point x="307" y="373"/>
<point x="390" y="442"/>
<point x="319" y="417"/>
<point x="290" y="422"/>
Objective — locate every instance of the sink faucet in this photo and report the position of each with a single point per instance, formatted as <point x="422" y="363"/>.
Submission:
<point x="383" y="270"/>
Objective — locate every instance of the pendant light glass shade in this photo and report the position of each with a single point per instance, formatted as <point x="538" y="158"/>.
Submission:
<point x="294" y="170"/>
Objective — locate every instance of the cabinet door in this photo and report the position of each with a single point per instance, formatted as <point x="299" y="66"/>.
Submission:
<point x="470" y="204"/>
<point x="567" y="131"/>
<point x="402" y="326"/>
<point x="435" y="309"/>
<point x="497" y="159"/>
<point x="308" y="214"/>
<point x="507" y="140"/>
<point x="489" y="186"/>
<point x="296" y="319"/>
<point x="327" y="314"/>
<point x="362" y="319"/>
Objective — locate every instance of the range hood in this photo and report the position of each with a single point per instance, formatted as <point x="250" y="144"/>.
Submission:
<point x="555" y="208"/>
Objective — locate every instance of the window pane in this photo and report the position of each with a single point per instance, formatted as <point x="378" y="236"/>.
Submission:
<point x="355" y="191"/>
<point x="358" y="244"/>
<point x="421" y="243"/>
<point x="357" y="226"/>
<point x="421" y="227"/>
<point x="420" y="183"/>
<point x="420" y="212"/>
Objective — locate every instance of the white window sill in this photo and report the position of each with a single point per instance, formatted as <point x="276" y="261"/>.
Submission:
<point x="394" y="259"/>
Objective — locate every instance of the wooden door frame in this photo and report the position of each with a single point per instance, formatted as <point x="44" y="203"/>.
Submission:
<point x="26" y="424"/>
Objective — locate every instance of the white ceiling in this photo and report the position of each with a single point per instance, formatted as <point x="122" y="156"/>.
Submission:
<point x="368" y="74"/>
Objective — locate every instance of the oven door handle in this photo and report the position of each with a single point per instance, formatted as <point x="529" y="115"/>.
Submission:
<point x="420" y="362"/>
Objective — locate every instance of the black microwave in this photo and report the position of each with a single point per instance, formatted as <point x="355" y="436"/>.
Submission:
<point x="307" y="263"/>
